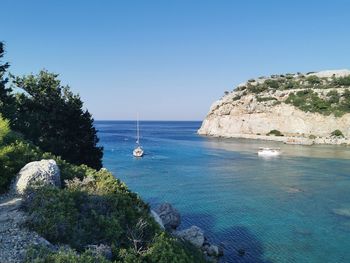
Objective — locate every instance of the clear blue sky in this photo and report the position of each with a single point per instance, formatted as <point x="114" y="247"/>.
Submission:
<point x="170" y="60"/>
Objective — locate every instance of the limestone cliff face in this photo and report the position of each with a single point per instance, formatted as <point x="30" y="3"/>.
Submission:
<point x="247" y="114"/>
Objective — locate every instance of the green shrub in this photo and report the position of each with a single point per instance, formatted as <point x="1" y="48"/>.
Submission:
<point x="167" y="249"/>
<point x="342" y="81"/>
<point x="43" y="255"/>
<point x="4" y="129"/>
<point x="257" y="88"/>
<point x="274" y="84"/>
<point x="312" y="137"/>
<point x="14" y="154"/>
<point x="237" y="97"/>
<point x="337" y="133"/>
<point x="275" y="133"/>
<point x="309" y="101"/>
<point x="79" y="218"/>
<point x="261" y="99"/>
<point x="313" y="79"/>
<point x="333" y="96"/>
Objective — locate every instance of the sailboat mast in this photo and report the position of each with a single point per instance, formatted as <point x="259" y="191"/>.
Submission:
<point x="138" y="130"/>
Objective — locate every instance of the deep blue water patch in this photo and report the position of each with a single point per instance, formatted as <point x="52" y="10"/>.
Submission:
<point x="295" y="208"/>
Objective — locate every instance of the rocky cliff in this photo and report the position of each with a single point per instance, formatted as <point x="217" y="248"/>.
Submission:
<point x="293" y="108"/>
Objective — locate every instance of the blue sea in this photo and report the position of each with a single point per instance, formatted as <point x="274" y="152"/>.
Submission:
<point x="293" y="208"/>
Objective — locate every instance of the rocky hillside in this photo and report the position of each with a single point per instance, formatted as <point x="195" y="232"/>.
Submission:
<point x="293" y="108"/>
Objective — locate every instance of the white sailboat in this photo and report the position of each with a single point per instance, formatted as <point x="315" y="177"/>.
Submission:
<point x="138" y="151"/>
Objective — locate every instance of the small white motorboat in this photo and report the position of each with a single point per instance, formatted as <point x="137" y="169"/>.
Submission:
<point x="269" y="152"/>
<point x="138" y="151"/>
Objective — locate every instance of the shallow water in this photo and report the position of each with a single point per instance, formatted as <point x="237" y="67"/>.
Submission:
<point x="293" y="208"/>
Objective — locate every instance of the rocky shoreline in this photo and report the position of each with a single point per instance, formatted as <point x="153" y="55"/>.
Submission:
<point x="170" y="219"/>
<point x="286" y="139"/>
<point x="16" y="238"/>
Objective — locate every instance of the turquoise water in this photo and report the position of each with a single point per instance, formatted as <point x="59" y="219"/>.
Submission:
<point x="294" y="208"/>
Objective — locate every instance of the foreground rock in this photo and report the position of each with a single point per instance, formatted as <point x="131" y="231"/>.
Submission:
<point x="167" y="216"/>
<point x="250" y="113"/>
<point x="170" y="217"/>
<point x="157" y="218"/>
<point x="44" y="172"/>
<point x="194" y="235"/>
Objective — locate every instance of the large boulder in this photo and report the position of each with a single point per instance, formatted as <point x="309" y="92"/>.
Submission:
<point x="170" y="216"/>
<point x="44" y="172"/>
<point x="194" y="235"/>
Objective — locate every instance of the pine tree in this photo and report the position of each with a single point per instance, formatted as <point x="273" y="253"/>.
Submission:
<point x="53" y="118"/>
<point x="7" y="100"/>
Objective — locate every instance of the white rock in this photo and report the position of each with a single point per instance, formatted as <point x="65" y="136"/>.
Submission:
<point x="330" y="73"/>
<point x="157" y="219"/>
<point x="248" y="118"/>
<point x="44" y="172"/>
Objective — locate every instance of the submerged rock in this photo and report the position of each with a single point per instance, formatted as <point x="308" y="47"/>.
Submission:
<point x="170" y="217"/>
<point x="44" y="172"/>
<point x="342" y="212"/>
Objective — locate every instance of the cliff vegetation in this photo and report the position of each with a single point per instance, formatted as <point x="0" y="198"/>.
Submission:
<point x="92" y="208"/>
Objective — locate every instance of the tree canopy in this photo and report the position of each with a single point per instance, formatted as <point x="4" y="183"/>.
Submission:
<point x="7" y="107"/>
<point x="53" y="118"/>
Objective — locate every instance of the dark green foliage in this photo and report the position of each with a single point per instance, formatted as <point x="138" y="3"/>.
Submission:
<point x="310" y="101"/>
<point x="14" y="154"/>
<point x="313" y="79"/>
<point x="102" y="210"/>
<point x="274" y="84"/>
<point x="7" y="101"/>
<point x="261" y="99"/>
<point x="289" y="81"/>
<point x="97" y="210"/>
<point x="240" y="88"/>
<point x="237" y="97"/>
<point x="43" y="255"/>
<point x="337" y="133"/>
<point x="333" y="96"/>
<point x="342" y="81"/>
<point x="162" y="249"/>
<point x="312" y="137"/>
<point x="167" y="249"/>
<point x="275" y="133"/>
<point x="258" y="88"/>
<point x="52" y="117"/>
